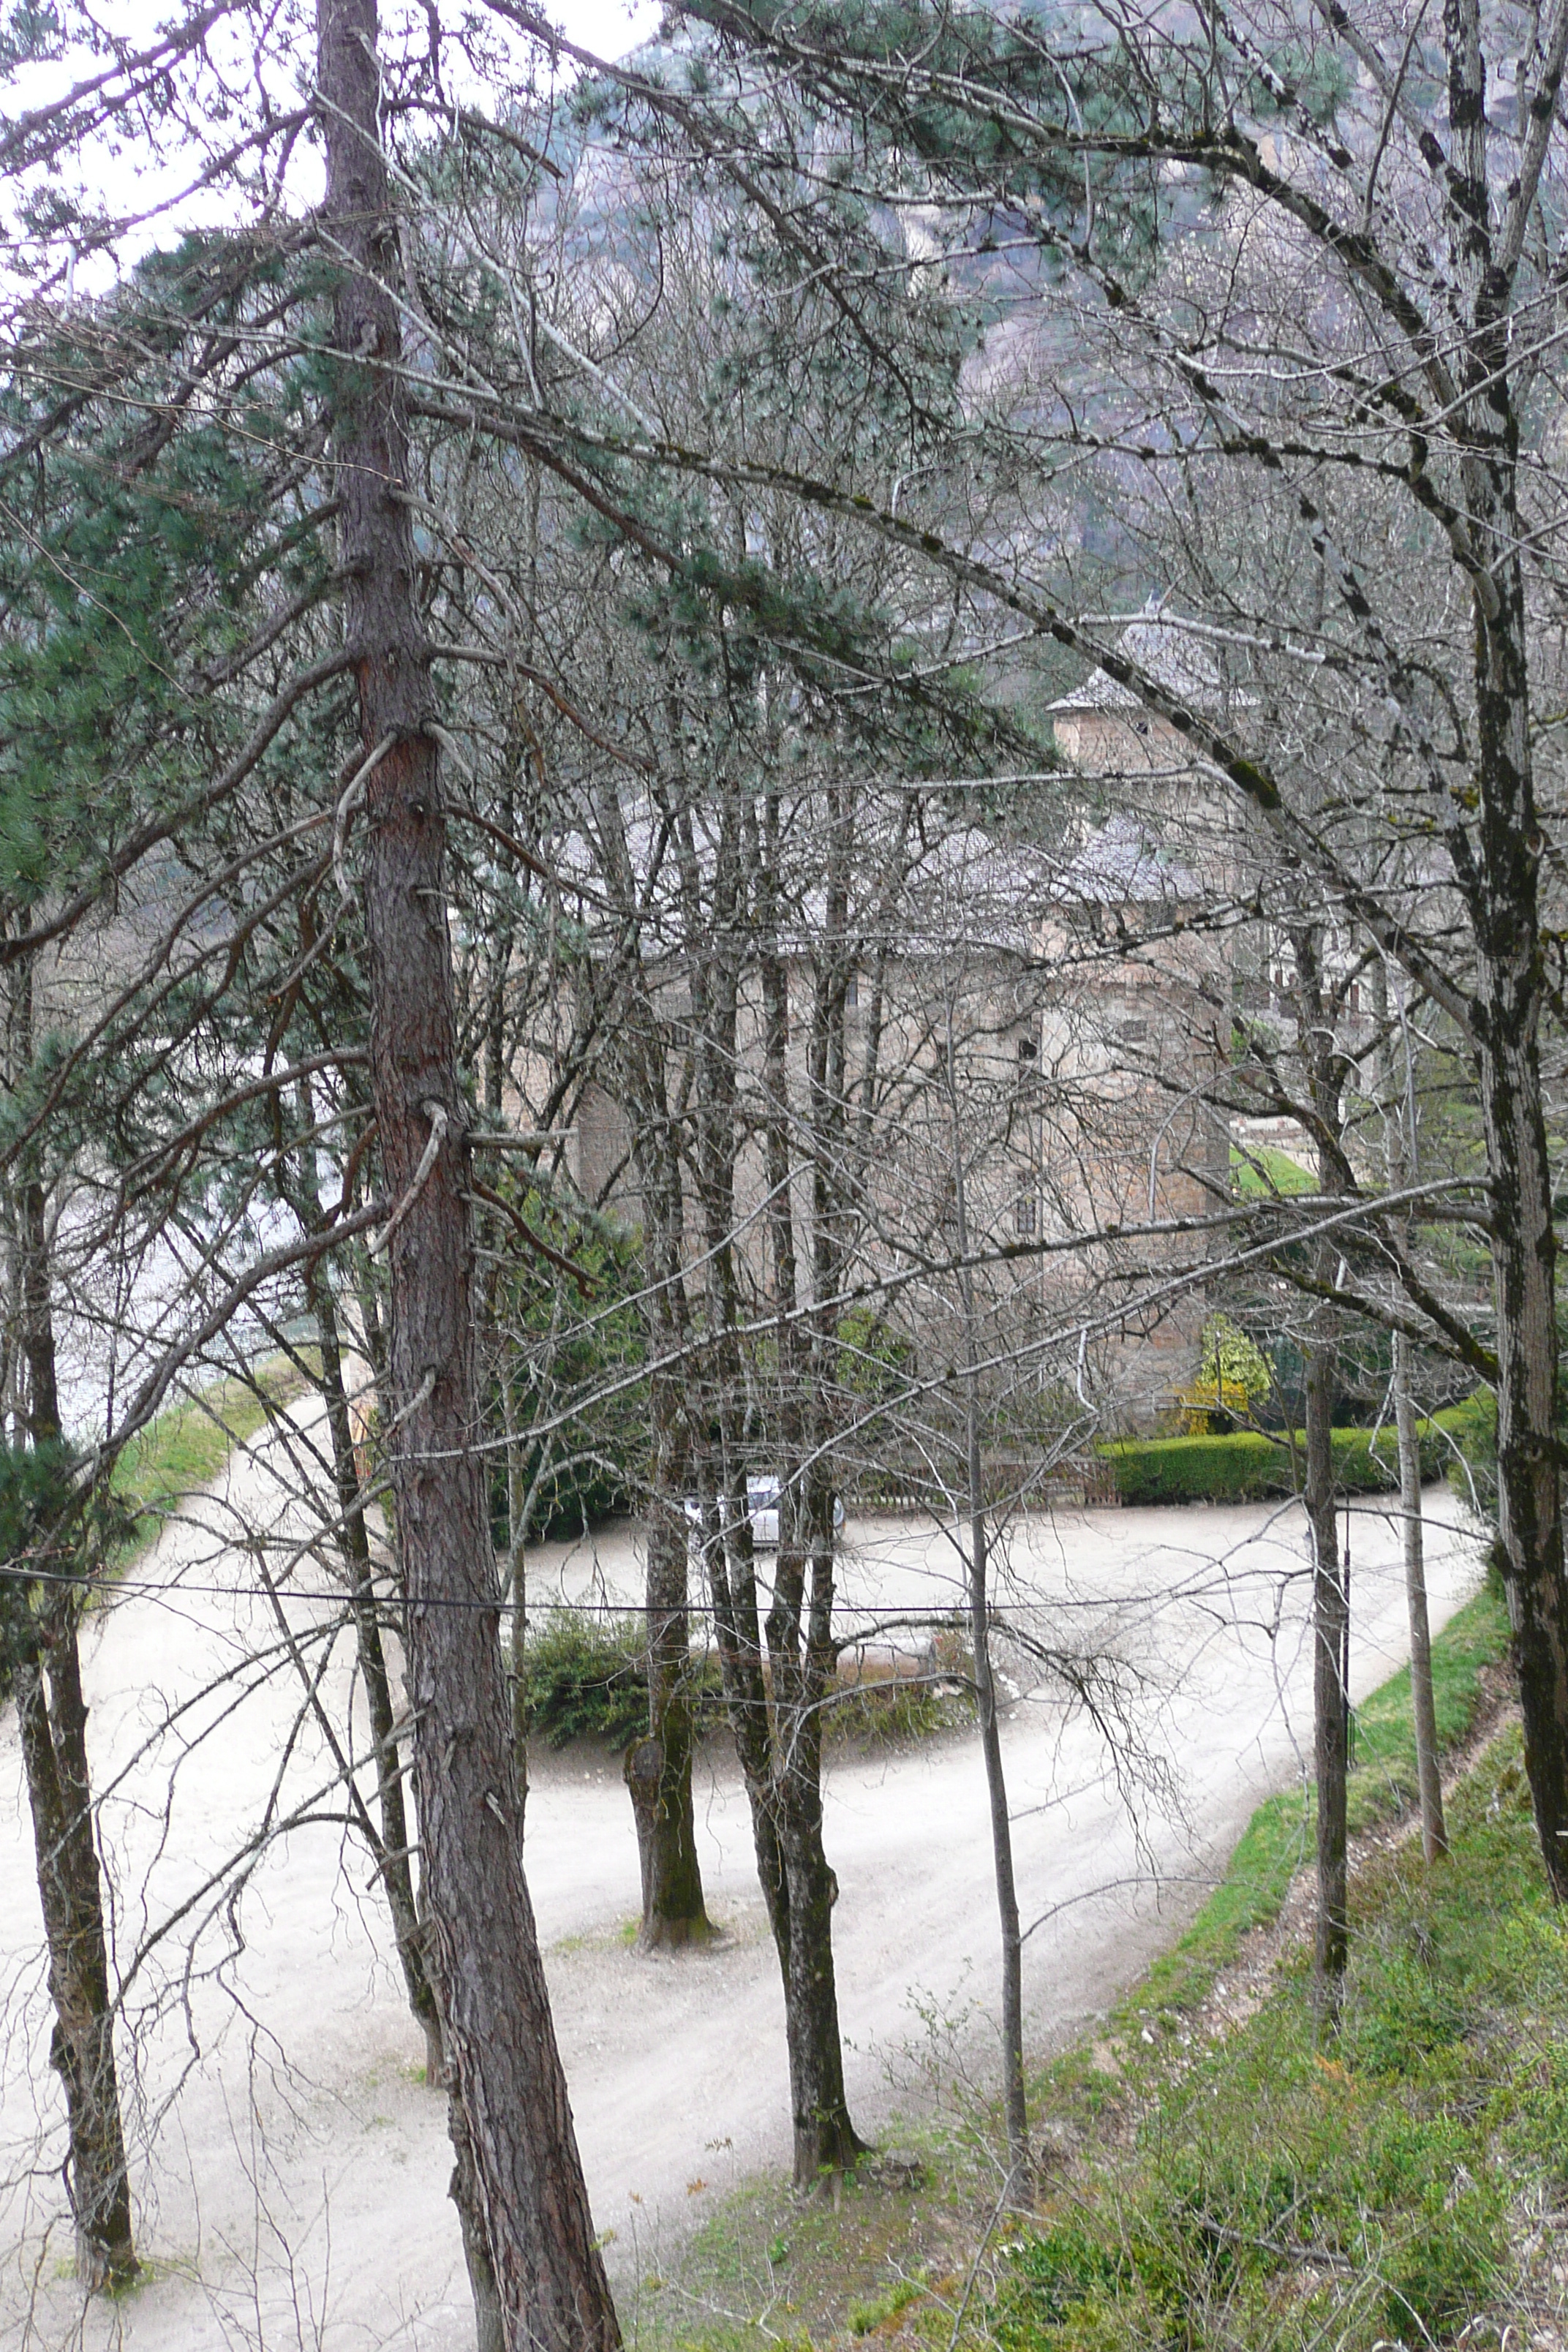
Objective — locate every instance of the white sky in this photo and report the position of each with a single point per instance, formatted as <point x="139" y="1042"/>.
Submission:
<point x="132" y="178"/>
<point x="610" y="27"/>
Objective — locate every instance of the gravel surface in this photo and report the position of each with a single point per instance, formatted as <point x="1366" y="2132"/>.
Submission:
<point x="290" y="2167"/>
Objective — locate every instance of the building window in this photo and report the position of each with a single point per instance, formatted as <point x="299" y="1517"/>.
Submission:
<point x="1133" y="1033"/>
<point x="852" y="992"/>
<point x="1024" y="1213"/>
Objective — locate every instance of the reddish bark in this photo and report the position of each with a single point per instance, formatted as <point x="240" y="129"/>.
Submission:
<point x="509" y="2089"/>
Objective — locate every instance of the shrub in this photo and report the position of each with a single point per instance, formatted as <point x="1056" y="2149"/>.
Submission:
<point x="1248" y="1467"/>
<point x="882" y="1704"/>
<point x="1411" y="2013"/>
<point x="876" y="1359"/>
<point x="1051" y="2273"/>
<point x="586" y="1677"/>
<point x="1240" y="1468"/>
<point x="1437" y="2277"/>
<point x="1233" y="1380"/>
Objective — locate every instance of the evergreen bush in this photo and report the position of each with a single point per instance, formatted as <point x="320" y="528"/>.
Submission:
<point x="1249" y="1466"/>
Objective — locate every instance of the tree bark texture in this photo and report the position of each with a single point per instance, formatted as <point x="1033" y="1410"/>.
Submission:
<point x="51" y="1714"/>
<point x="1330" y="1708"/>
<point x="1423" y="1703"/>
<point x="1503" y="894"/>
<point x="673" y="1909"/>
<point x="52" y="1717"/>
<point x="530" y="2196"/>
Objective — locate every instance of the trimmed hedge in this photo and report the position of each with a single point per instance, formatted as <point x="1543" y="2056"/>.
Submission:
<point x="1248" y="1467"/>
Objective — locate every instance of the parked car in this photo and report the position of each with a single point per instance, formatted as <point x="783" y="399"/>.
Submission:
<point x="763" y="1510"/>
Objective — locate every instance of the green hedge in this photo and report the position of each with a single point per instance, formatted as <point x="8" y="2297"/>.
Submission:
<point x="1249" y="1465"/>
<point x="1471" y="1463"/>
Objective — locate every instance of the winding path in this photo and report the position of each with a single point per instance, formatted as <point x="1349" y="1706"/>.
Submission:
<point x="290" y="2165"/>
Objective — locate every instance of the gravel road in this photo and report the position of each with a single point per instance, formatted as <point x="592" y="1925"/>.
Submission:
<point x="292" y="2167"/>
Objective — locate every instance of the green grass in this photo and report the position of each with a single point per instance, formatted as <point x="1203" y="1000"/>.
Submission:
<point x="1383" y="1782"/>
<point x="1278" y="1840"/>
<point x="1260" y="1172"/>
<point x="1278" y="2188"/>
<point x="184" y="1450"/>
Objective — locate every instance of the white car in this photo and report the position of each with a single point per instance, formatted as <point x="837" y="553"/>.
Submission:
<point x="763" y="1510"/>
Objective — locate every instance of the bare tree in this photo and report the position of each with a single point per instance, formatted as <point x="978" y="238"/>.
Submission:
<point x="1425" y="234"/>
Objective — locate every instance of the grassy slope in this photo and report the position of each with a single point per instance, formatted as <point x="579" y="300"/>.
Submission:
<point x="893" y="2257"/>
<point x="182" y="1450"/>
<point x="1277" y="1841"/>
<point x="1399" y="2182"/>
<point x="1261" y="1172"/>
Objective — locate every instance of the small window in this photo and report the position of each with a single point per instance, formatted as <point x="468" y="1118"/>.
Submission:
<point x="1133" y="1032"/>
<point x="1023" y="1215"/>
<point x="1027" y="1050"/>
<point x="852" y="992"/>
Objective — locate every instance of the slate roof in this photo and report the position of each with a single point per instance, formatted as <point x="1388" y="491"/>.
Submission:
<point x="1122" y="866"/>
<point x="1172" y="655"/>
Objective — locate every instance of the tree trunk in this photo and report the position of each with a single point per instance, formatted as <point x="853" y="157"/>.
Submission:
<point x="1402" y="1154"/>
<point x="1423" y="1705"/>
<point x="1524" y="1253"/>
<point x="802" y="1660"/>
<point x="802" y="1655"/>
<point x="397" y="1863"/>
<point x="777" y="1738"/>
<point x="1331" y="1710"/>
<point x="825" y="2141"/>
<point x="1015" y="2096"/>
<point x="673" y="1909"/>
<point x="463" y="2189"/>
<point x="530" y="2196"/>
<point x="1503" y="895"/>
<point x="658" y="1768"/>
<point x="52" y="1718"/>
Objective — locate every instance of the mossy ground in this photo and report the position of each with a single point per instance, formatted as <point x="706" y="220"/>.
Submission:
<point x="1224" y="2181"/>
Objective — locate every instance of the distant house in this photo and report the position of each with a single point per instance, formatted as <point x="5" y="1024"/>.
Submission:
<point x="1038" y="1028"/>
<point x="1101" y="727"/>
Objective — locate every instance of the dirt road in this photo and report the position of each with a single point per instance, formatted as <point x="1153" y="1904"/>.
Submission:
<point x="292" y="2167"/>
